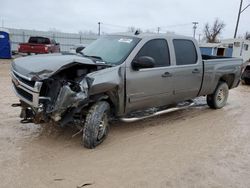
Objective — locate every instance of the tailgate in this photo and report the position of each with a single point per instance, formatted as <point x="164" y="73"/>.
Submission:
<point x="32" y="48"/>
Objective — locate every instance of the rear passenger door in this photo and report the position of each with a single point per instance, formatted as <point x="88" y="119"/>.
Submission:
<point x="150" y="87"/>
<point x="188" y="70"/>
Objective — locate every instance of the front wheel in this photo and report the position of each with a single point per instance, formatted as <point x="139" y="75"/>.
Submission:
<point x="96" y="125"/>
<point x="247" y="81"/>
<point x="218" y="99"/>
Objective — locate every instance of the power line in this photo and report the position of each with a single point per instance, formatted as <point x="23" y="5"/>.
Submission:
<point x="153" y="28"/>
<point x="238" y="18"/>
<point x="165" y="28"/>
<point x="113" y="25"/>
<point x="176" y="25"/>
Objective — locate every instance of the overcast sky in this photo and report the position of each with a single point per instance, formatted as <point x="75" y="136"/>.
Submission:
<point x="117" y="15"/>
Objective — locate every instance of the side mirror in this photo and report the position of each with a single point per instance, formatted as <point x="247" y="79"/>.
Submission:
<point x="57" y="43"/>
<point x="143" y="62"/>
<point x="79" y="49"/>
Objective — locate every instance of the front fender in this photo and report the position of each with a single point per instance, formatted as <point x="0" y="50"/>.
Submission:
<point x="111" y="82"/>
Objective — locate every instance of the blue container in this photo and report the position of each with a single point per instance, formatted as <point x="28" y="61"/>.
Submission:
<point x="206" y="50"/>
<point x="5" y="47"/>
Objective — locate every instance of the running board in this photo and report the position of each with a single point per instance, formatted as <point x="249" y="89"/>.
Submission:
<point x="130" y="120"/>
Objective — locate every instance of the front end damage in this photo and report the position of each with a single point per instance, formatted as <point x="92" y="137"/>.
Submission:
<point x="64" y="96"/>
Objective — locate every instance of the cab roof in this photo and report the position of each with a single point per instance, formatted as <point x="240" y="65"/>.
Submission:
<point x="150" y="35"/>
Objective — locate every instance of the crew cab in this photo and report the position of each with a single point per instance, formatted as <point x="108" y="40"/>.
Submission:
<point x="39" y="45"/>
<point x="120" y="76"/>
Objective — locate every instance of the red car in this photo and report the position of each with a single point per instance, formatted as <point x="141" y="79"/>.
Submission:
<point x="39" y="45"/>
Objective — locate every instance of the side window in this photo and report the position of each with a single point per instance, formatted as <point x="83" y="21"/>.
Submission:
<point x="185" y="52"/>
<point x="46" y="41"/>
<point x="157" y="49"/>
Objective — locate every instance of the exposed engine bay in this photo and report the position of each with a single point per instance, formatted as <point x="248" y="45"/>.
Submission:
<point x="62" y="96"/>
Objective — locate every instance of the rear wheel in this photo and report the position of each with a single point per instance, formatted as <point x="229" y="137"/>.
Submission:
<point x="218" y="99"/>
<point x="96" y="125"/>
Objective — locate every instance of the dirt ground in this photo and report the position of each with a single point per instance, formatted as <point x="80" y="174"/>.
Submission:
<point x="197" y="147"/>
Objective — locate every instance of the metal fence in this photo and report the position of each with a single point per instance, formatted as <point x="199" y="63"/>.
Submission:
<point x="66" y="40"/>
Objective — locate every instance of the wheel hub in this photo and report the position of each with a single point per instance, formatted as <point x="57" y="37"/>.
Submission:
<point x="102" y="127"/>
<point x="221" y="96"/>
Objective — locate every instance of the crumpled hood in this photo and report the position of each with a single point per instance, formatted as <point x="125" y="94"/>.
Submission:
<point x="43" y="66"/>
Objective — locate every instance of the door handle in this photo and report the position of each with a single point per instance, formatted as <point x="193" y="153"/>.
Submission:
<point x="166" y="74"/>
<point x="195" y="71"/>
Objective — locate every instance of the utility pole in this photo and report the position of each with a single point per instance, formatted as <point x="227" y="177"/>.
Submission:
<point x="195" y="27"/>
<point x="158" y="30"/>
<point x="238" y="19"/>
<point x="99" y="28"/>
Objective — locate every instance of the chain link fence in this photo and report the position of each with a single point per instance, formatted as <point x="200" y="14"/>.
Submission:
<point x="66" y="40"/>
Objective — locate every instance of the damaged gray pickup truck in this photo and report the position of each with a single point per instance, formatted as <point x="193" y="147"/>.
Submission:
<point x="118" y="77"/>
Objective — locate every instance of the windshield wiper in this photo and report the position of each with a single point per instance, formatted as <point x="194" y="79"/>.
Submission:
<point x="79" y="52"/>
<point x="93" y="56"/>
<point x="97" y="58"/>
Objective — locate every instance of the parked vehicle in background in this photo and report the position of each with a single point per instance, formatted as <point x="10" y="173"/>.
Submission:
<point x="119" y="76"/>
<point x="245" y="78"/>
<point x="39" y="45"/>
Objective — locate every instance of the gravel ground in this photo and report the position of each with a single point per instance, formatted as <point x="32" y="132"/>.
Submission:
<point x="196" y="147"/>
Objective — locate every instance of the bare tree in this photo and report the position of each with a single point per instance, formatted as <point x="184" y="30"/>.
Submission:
<point x="212" y="33"/>
<point x="131" y="29"/>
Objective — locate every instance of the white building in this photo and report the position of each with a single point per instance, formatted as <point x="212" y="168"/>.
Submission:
<point x="228" y="48"/>
<point x="216" y="49"/>
<point x="241" y="47"/>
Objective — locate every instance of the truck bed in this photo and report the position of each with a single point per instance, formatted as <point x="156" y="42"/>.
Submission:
<point x="209" y="57"/>
<point x="214" y="67"/>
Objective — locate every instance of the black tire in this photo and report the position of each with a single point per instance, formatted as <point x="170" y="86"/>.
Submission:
<point x="247" y="81"/>
<point x="96" y="125"/>
<point x="243" y="82"/>
<point x="218" y="99"/>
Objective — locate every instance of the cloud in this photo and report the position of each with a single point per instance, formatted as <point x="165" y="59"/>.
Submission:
<point x="73" y="16"/>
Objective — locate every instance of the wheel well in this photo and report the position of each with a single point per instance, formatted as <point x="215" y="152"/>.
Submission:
<point x="106" y="97"/>
<point x="229" y="79"/>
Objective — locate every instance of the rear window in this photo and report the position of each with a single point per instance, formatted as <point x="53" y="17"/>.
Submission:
<point x="39" y="40"/>
<point x="185" y="52"/>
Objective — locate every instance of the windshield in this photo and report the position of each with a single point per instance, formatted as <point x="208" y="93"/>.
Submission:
<point x="111" y="49"/>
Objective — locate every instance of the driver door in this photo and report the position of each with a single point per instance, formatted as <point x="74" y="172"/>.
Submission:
<point x="150" y="87"/>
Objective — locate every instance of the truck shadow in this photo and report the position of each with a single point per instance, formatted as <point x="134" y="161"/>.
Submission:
<point x="72" y="136"/>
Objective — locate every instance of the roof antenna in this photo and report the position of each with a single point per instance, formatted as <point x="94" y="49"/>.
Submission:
<point x="137" y="32"/>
